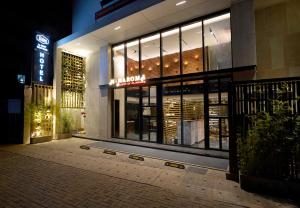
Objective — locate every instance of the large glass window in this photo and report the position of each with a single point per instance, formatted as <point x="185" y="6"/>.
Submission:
<point x="217" y="40"/>
<point x="193" y="113"/>
<point x="192" y="53"/>
<point x="119" y="61"/>
<point x="149" y="113"/>
<point x="132" y="58"/>
<point x="218" y="114"/>
<point x="172" y="113"/>
<point x="150" y="58"/>
<point x="216" y="48"/>
<point x="170" y="51"/>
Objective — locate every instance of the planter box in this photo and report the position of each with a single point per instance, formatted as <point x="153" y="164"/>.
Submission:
<point x="270" y="186"/>
<point x="64" y="136"/>
<point x="35" y="140"/>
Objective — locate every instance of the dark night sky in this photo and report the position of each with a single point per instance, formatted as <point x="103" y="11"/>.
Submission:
<point x="20" y="20"/>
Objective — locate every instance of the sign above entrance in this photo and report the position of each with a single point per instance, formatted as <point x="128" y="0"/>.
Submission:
<point x="128" y="81"/>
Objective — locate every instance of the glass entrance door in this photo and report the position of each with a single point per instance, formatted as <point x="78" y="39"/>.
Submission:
<point x="218" y="117"/>
<point x="149" y="114"/>
<point x="132" y="113"/>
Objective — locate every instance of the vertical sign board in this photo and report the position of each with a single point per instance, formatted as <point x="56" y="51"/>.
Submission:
<point x="41" y="58"/>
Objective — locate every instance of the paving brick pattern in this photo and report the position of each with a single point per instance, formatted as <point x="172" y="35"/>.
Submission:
<point x="60" y="174"/>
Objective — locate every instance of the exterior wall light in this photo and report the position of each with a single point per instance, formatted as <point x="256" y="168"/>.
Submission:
<point x="117" y="28"/>
<point x="180" y="3"/>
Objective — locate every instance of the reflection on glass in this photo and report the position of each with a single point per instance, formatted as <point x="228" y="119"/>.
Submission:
<point x="218" y="115"/>
<point x="214" y="133"/>
<point x="170" y="50"/>
<point x="150" y="63"/>
<point x="152" y="96"/>
<point x="192" y="56"/>
<point x="218" y="110"/>
<point x="225" y="143"/>
<point x="213" y="98"/>
<point x="171" y="113"/>
<point x="225" y="134"/>
<point x="193" y="114"/>
<point x="224" y="98"/>
<point x="145" y="93"/>
<point x="132" y="113"/>
<point x="133" y="58"/>
<point x="217" y="41"/>
<point x="225" y="127"/>
<point x="149" y="114"/>
<point x="119" y="113"/>
<point x="119" y="61"/>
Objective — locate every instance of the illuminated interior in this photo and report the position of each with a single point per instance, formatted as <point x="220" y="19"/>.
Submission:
<point x="191" y="48"/>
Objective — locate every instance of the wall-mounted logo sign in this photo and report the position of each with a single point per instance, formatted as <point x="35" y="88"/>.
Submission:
<point x="42" y="39"/>
<point x="41" y="58"/>
<point x="128" y="81"/>
<point x="21" y="78"/>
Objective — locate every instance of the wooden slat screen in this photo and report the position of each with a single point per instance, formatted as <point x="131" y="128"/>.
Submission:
<point x="73" y="81"/>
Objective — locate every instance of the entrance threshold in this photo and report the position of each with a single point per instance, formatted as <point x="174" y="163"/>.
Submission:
<point x="199" y="157"/>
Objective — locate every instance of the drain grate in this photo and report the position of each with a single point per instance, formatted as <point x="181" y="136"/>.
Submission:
<point x="175" y="165"/>
<point x="84" y="147"/>
<point x="110" y="152"/>
<point x="136" y="157"/>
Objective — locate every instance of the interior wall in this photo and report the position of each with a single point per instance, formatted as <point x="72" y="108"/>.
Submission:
<point x="278" y="45"/>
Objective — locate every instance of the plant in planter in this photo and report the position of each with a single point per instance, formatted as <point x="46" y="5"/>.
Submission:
<point x="40" y="118"/>
<point x="271" y="149"/>
<point x="65" y="125"/>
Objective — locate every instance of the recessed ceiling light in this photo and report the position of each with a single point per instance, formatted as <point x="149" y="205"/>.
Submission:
<point x="180" y="3"/>
<point x="78" y="43"/>
<point x="117" y="28"/>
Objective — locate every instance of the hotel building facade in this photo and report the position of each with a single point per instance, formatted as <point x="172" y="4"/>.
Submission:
<point x="171" y="72"/>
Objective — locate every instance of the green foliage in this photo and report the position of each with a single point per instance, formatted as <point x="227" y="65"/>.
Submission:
<point x="66" y="121"/>
<point x="40" y="117"/>
<point x="273" y="143"/>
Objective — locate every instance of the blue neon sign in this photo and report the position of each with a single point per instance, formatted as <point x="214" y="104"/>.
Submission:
<point x="41" y="58"/>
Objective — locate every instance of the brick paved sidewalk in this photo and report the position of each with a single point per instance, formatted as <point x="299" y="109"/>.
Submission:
<point x="60" y="174"/>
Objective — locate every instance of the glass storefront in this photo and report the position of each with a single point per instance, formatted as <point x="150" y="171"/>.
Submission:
<point x="167" y="108"/>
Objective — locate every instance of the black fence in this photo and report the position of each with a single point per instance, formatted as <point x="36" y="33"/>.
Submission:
<point x="252" y="97"/>
<point x="257" y="96"/>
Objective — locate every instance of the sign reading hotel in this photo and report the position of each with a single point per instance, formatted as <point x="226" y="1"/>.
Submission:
<point x="41" y="58"/>
<point x="128" y="81"/>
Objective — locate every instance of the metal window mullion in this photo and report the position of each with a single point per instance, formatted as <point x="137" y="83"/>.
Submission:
<point x="161" y="54"/>
<point x="181" y="113"/>
<point x="180" y="50"/>
<point x="203" y="51"/>
<point x="125" y="103"/>
<point x="181" y="85"/>
<point x="140" y="113"/>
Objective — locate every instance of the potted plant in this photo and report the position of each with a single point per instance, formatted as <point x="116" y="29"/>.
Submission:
<point x="269" y="156"/>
